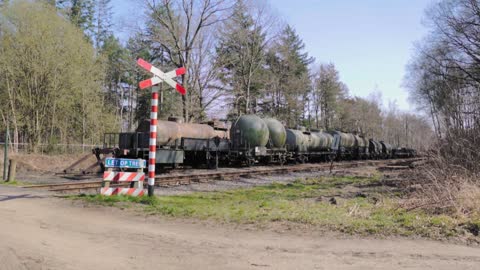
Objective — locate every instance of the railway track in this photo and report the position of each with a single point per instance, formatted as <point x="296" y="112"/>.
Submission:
<point x="174" y="179"/>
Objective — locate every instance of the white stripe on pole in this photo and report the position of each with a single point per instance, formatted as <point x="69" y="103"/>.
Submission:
<point x="151" y="181"/>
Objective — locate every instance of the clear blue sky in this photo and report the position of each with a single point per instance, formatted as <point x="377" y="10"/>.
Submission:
<point x="369" y="41"/>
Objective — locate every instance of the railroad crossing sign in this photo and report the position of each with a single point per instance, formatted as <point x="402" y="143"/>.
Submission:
<point x="160" y="76"/>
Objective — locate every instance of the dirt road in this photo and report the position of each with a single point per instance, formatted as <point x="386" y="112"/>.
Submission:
<point x="41" y="232"/>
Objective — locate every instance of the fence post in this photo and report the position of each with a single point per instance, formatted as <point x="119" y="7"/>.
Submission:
<point x="12" y="170"/>
<point x="5" y="156"/>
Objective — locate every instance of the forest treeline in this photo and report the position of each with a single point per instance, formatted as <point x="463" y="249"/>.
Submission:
<point x="444" y="79"/>
<point x="67" y="78"/>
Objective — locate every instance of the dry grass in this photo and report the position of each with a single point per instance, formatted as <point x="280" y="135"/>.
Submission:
<point x="442" y="186"/>
<point x="45" y="163"/>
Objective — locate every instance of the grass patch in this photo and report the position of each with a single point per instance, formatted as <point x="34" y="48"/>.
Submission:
<point x="113" y="200"/>
<point x="301" y="202"/>
<point x="12" y="183"/>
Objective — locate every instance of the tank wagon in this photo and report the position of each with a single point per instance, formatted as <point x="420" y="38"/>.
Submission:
<point x="310" y="146"/>
<point x="403" y="152"/>
<point x="375" y="149"/>
<point x="345" y="145"/>
<point x="249" y="140"/>
<point x="255" y="140"/>
<point x="177" y="143"/>
<point x="386" y="150"/>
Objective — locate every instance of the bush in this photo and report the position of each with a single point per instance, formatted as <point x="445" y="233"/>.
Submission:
<point x="449" y="182"/>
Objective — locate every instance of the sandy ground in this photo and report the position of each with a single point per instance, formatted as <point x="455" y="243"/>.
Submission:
<point x="38" y="231"/>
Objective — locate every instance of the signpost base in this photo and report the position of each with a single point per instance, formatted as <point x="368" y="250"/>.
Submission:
<point x="150" y="190"/>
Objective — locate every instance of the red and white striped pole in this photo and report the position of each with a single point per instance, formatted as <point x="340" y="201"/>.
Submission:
<point x="157" y="79"/>
<point x="153" y="141"/>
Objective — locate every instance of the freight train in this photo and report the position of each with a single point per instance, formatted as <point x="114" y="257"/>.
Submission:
<point x="249" y="140"/>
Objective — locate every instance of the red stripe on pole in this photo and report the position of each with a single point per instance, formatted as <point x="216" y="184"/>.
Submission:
<point x="151" y="174"/>
<point x="151" y="161"/>
<point x="145" y="84"/>
<point x="180" y="71"/>
<point x="153" y="122"/>
<point x="152" y="148"/>
<point x="181" y="89"/>
<point x="144" y="64"/>
<point x="153" y="135"/>
<point x="154" y="108"/>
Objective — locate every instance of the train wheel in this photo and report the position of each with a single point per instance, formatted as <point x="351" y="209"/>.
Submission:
<point x="249" y="162"/>
<point x="301" y="160"/>
<point x="212" y="162"/>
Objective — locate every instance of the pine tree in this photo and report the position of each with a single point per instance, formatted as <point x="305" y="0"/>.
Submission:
<point x="240" y="55"/>
<point x="80" y="12"/>
<point x="328" y="94"/>
<point x="289" y="85"/>
<point x="103" y="22"/>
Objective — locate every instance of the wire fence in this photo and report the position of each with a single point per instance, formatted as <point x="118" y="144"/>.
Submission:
<point x="49" y="149"/>
<point x="21" y="146"/>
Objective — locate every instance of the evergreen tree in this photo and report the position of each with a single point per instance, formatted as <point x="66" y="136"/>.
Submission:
<point x="80" y="12"/>
<point x="288" y="81"/>
<point x="328" y="96"/>
<point x="241" y="56"/>
<point x="103" y="22"/>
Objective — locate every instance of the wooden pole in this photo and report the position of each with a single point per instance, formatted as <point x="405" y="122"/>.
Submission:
<point x="5" y="155"/>
<point x="12" y="170"/>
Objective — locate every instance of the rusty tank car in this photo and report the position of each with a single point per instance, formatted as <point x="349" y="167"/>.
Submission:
<point x="169" y="132"/>
<point x="178" y="143"/>
<point x="247" y="141"/>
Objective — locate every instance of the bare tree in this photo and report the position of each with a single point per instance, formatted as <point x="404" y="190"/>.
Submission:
<point x="175" y="26"/>
<point x="207" y="89"/>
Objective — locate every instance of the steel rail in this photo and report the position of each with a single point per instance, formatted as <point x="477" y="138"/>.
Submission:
<point x="189" y="178"/>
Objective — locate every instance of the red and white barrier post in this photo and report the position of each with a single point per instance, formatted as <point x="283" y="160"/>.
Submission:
<point x="153" y="141"/>
<point x="134" y="178"/>
<point x="159" y="77"/>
